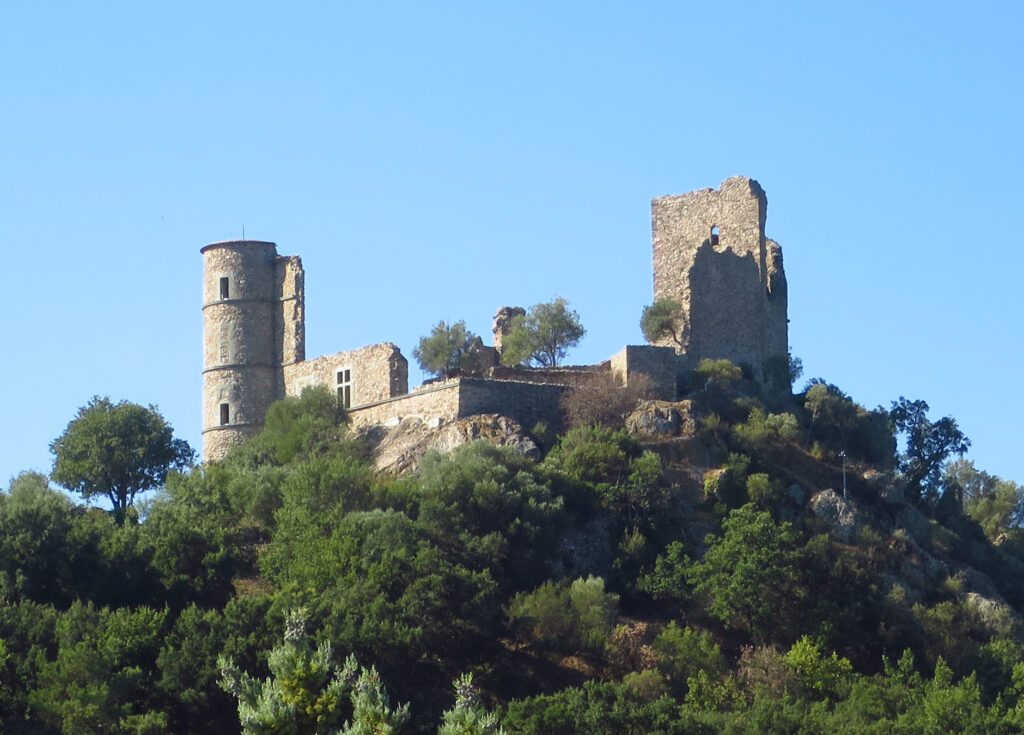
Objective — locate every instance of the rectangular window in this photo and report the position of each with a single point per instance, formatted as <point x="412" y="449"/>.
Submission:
<point x="345" y="388"/>
<point x="225" y="414"/>
<point x="224" y="287"/>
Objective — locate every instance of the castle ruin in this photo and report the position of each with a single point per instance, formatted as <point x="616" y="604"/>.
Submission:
<point x="710" y="256"/>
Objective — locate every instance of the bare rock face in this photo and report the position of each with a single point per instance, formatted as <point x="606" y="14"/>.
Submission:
<point x="688" y="420"/>
<point x="883" y="485"/>
<point x="840" y="514"/>
<point x="653" y="418"/>
<point x="662" y="418"/>
<point x="495" y="428"/>
<point x="916" y="567"/>
<point x="994" y="614"/>
<point x="399" y="448"/>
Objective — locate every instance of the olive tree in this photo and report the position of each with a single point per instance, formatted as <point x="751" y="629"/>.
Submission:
<point x="117" y="450"/>
<point x="663" y="320"/>
<point x="543" y="335"/>
<point x="448" y="350"/>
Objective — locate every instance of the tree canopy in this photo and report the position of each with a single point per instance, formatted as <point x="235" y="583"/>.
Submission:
<point x="117" y="450"/>
<point x="929" y="444"/>
<point x="591" y="589"/>
<point x="448" y="349"/>
<point x="543" y="336"/>
<point x="663" y="320"/>
<point x="748" y="571"/>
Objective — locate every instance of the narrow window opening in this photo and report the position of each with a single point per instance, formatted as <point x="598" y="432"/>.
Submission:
<point x="714" y="234"/>
<point x="225" y="414"/>
<point x="224" y="288"/>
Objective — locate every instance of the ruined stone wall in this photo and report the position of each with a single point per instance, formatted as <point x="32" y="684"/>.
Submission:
<point x="711" y="256"/>
<point x="572" y="375"/>
<point x="444" y="401"/>
<point x="375" y="372"/>
<point x="291" y="321"/>
<point x="660" y="365"/>
<point x="527" y="403"/>
<point x="436" y="404"/>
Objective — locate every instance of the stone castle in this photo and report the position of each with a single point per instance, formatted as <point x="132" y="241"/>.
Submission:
<point x="710" y="256"/>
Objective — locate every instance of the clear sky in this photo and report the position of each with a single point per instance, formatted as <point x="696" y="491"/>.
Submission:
<point x="438" y="160"/>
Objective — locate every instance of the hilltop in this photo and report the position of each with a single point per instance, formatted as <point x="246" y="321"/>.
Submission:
<point x="679" y="566"/>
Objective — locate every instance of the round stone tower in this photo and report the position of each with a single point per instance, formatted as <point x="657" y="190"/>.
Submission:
<point x="240" y="348"/>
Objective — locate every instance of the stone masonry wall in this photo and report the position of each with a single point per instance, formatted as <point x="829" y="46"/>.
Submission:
<point x="658" y="364"/>
<point x="377" y="372"/>
<point x="527" y="403"/>
<point x="711" y="256"/>
<point x="245" y="393"/>
<point x="436" y="404"/>
<point x="291" y="323"/>
<point x="441" y="402"/>
<point x="573" y="375"/>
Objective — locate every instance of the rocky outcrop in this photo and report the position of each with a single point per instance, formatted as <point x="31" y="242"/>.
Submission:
<point x="841" y="515"/>
<point x="399" y="447"/>
<point x="662" y="418"/>
<point x="653" y="418"/>
<point x="994" y="614"/>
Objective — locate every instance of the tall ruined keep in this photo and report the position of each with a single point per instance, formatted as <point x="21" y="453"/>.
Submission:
<point x="712" y="257"/>
<point x="252" y="327"/>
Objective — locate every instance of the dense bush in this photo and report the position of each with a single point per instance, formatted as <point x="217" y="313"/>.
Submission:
<point x="565" y="617"/>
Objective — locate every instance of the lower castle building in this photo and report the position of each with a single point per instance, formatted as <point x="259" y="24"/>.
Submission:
<point x="710" y="257"/>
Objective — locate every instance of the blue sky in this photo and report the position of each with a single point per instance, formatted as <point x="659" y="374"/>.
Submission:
<point x="437" y="160"/>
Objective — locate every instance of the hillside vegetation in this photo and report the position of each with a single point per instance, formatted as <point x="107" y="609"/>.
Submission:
<point x="707" y="576"/>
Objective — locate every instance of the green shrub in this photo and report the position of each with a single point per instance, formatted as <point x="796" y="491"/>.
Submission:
<point x="683" y="652"/>
<point x="729" y="485"/>
<point x="566" y="618"/>
<point x="720" y="372"/>
<point x="763" y="431"/>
